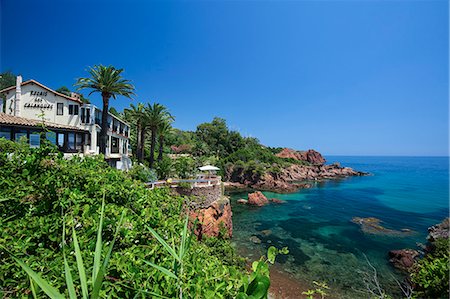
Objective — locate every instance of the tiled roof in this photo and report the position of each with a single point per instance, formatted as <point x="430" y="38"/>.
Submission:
<point x="6" y="119"/>
<point x="44" y="87"/>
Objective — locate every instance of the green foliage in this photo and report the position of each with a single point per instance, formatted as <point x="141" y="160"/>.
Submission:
<point x="7" y="79"/>
<point x="164" y="168"/>
<point x="142" y="173"/>
<point x="185" y="185"/>
<point x="430" y="275"/>
<point x="38" y="184"/>
<point x="67" y="92"/>
<point x="257" y="285"/>
<point x="320" y="291"/>
<point x="64" y="90"/>
<point x="108" y="81"/>
<point x="178" y="256"/>
<point x="215" y="139"/>
<point x="184" y="167"/>
<point x="98" y="270"/>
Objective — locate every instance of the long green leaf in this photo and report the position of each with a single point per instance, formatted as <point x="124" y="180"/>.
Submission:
<point x="162" y="269"/>
<point x="183" y="238"/>
<point x="69" y="280"/>
<point x="33" y="289"/>
<point x="101" y="275"/>
<point x="42" y="283"/>
<point x="68" y="274"/>
<point x="164" y="244"/>
<point x="80" y="265"/>
<point x="98" y="245"/>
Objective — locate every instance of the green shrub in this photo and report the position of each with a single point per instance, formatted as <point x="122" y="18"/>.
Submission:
<point x="40" y="186"/>
<point x="142" y="173"/>
<point x="430" y="275"/>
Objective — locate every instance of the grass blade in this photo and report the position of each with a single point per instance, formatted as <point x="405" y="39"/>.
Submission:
<point x="42" y="283"/>
<point x="101" y="275"/>
<point x="183" y="238"/>
<point x="68" y="274"/>
<point x="98" y="245"/>
<point x="164" y="244"/>
<point x="80" y="266"/>
<point x="162" y="269"/>
<point x="69" y="280"/>
<point x="33" y="290"/>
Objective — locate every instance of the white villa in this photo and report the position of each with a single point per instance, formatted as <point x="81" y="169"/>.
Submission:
<point x="74" y="126"/>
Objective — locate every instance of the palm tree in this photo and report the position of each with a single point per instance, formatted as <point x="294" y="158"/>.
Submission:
<point x="109" y="82"/>
<point x="164" y="130"/>
<point x="157" y="114"/>
<point x="137" y="116"/>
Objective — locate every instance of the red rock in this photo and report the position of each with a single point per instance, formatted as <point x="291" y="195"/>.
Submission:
<point x="403" y="259"/>
<point x="213" y="219"/>
<point x="310" y="156"/>
<point x="257" y="199"/>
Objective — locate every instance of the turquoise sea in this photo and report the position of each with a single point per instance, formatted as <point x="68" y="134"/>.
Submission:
<point x="403" y="192"/>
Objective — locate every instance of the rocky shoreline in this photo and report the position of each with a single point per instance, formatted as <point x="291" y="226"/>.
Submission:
<point x="290" y="179"/>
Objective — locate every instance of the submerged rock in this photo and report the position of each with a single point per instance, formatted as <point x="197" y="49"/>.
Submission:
<point x="266" y="232"/>
<point x="276" y="200"/>
<point x="257" y="199"/>
<point x="371" y="225"/>
<point x="255" y="240"/>
<point x="242" y="201"/>
<point x="403" y="259"/>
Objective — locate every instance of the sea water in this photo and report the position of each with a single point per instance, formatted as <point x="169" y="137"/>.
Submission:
<point x="325" y="245"/>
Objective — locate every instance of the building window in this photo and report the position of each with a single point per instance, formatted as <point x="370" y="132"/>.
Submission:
<point x="59" y="109"/>
<point x="114" y="145"/>
<point x="20" y="134"/>
<point x="88" y="116"/>
<point x="51" y="137"/>
<point x="35" y="139"/>
<point x="79" y="143"/>
<point x="73" y="109"/>
<point x="5" y="132"/>
<point x="71" y="145"/>
<point x="60" y="139"/>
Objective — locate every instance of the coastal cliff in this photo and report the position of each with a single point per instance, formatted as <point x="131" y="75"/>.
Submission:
<point x="291" y="178"/>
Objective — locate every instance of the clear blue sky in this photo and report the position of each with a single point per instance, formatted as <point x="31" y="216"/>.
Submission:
<point x="342" y="77"/>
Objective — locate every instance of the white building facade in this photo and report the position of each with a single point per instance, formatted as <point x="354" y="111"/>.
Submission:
<point x="75" y="125"/>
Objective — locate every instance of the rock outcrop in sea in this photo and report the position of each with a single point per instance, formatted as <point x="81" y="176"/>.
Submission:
<point x="404" y="259"/>
<point x="257" y="199"/>
<point x="289" y="179"/>
<point x="311" y="156"/>
<point x="440" y="230"/>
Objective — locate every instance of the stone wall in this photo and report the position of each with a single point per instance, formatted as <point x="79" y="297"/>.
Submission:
<point x="201" y="196"/>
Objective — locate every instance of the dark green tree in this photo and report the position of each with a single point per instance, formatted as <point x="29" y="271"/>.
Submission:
<point x="64" y="90"/>
<point x="108" y="81"/>
<point x="7" y="79"/>
<point x="157" y="115"/>
<point x="163" y="131"/>
<point x="137" y="117"/>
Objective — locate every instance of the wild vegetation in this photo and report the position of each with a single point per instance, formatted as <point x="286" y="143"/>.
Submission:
<point x="44" y="195"/>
